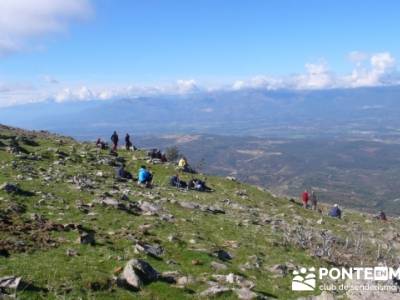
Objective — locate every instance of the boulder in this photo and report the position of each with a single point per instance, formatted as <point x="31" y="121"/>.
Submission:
<point x="9" y="187"/>
<point x="155" y="251"/>
<point x="138" y="272"/>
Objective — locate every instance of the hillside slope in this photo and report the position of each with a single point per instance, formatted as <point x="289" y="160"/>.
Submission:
<point x="68" y="228"/>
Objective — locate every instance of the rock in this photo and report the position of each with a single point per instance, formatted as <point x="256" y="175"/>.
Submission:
<point x="245" y="294"/>
<point x="86" y="238"/>
<point x="189" y="205"/>
<point x="185" y="280"/>
<point x="234" y="279"/>
<point x="8" y="285"/>
<point x="155" y="251"/>
<point x="212" y="209"/>
<point x="280" y="269"/>
<point x="196" y="262"/>
<point x="138" y="272"/>
<point x="223" y="255"/>
<point x="167" y="217"/>
<point x="214" y="291"/>
<point x="71" y="252"/>
<point x="148" y="208"/>
<point x="9" y="187"/>
<point x="320" y="221"/>
<point x="231" y="178"/>
<point x="169" y="276"/>
<point x="218" y="266"/>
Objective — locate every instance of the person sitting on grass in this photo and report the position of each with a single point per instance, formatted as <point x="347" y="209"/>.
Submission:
<point x="177" y="182"/>
<point x="184" y="166"/>
<point x="199" y="185"/>
<point x="335" y="212"/>
<point x="145" y="177"/>
<point x="381" y="216"/>
<point x="122" y="174"/>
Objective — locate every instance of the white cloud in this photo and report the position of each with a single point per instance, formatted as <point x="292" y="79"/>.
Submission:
<point x="377" y="69"/>
<point x="317" y="76"/>
<point x="381" y="70"/>
<point x="23" y="20"/>
<point x="369" y="70"/>
<point x="187" y="86"/>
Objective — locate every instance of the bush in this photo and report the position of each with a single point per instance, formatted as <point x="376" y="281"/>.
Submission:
<point x="172" y="153"/>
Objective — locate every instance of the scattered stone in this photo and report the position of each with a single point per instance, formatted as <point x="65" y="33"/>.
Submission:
<point x="189" y="205"/>
<point x="169" y="276"/>
<point x="72" y="252"/>
<point x="218" y="266"/>
<point x="86" y="238"/>
<point x="9" y="285"/>
<point x="215" y="291"/>
<point x="148" y="208"/>
<point x="9" y="187"/>
<point x="245" y="294"/>
<point x="234" y="279"/>
<point x="231" y="178"/>
<point x="320" y="221"/>
<point x="212" y="209"/>
<point x="155" y="251"/>
<point x="196" y="262"/>
<point x="279" y="269"/>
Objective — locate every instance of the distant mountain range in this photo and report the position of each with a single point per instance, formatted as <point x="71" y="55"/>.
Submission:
<point x="371" y="112"/>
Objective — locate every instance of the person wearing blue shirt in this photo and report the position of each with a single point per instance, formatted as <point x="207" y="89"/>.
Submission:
<point x="335" y="212"/>
<point x="144" y="176"/>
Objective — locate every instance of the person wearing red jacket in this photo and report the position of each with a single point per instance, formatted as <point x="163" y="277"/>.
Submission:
<point x="305" y="197"/>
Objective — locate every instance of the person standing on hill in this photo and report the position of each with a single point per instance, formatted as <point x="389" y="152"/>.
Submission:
<point x="128" y="143"/>
<point x="314" y="200"/>
<point x="114" y="140"/>
<point x="305" y="198"/>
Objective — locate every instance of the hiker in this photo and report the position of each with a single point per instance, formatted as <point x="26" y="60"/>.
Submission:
<point x="122" y="174"/>
<point x="128" y="143"/>
<point x="145" y="177"/>
<point x="114" y="140"/>
<point x="314" y="200"/>
<point x="101" y="144"/>
<point x="381" y="216"/>
<point x="177" y="182"/>
<point x="199" y="185"/>
<point x="184" y="166"/>
<point x="305" y="198"/>
<point x="335" y="212"/>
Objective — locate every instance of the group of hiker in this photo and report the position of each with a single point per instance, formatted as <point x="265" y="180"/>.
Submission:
<point x="334" y="212"/>
<point x="145" y="176"/>
<point x="115" y="140"/>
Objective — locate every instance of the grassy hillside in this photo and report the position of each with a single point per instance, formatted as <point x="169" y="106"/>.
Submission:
<point x="61" y="185"/>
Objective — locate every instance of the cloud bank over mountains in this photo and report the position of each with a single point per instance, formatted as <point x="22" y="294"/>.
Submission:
<point x="370" y="70"/>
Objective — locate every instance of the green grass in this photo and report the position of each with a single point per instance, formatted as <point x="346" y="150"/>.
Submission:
<point x="54" y="275"/>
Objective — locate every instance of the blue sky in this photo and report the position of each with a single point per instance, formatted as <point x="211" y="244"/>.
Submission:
<point x="119" y="44"/>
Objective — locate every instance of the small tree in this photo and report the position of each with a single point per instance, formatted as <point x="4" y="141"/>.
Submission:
<point x="172" y="153"/>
